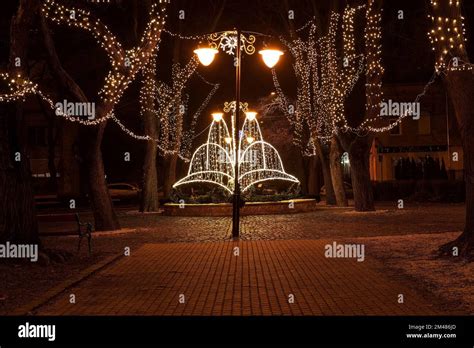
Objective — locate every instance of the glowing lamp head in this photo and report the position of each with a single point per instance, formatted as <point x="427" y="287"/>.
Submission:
<point x="206" y="55"/>
<point x="250" y="140"/>
<point x="217" y="116"/>
<point x="270" y="57"/>
<point x="251" y="115"/>
<point x="228" y="140"/>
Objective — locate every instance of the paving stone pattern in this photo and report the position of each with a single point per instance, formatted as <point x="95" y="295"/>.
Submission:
<point x="259" y="281"/>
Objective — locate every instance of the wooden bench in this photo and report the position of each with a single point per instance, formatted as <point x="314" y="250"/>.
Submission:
<point x="77" y="227"/>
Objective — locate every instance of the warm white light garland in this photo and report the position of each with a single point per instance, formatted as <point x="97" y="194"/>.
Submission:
<point x="324" y="80"/>
<point x="170" y="106"/>
<point x="448" y="36"/>
<point x="125" y="63"/>
<point x="214" y="161"/>
<point x="447" y="33"/>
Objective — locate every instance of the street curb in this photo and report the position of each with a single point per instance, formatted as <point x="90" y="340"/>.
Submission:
<point x="54" y="292"/>
<point x="94" y="233"/>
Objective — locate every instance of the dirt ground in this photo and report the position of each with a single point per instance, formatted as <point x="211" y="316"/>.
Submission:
<point x="415" y="257"/>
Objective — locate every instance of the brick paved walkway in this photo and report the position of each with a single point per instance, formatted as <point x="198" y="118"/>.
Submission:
<point x="257" y="282"/>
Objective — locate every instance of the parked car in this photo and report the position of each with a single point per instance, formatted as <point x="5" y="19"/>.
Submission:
<point x="124" y="192"/>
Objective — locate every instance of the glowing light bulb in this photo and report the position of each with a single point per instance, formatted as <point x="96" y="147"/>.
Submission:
<point x="250" y="139"/>
<point x="271" y="57"/>
<point x="251" y="115"/>
<point x="217" y="116"/>
<point x="228" y="140"/>
<point x="206" y="55"/>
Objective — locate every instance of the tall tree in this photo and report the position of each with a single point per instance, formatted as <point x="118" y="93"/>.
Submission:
<point x="171" y="160"/>
<point x="300" y="114"/>
<point x="125" y="64"/>
<point x="164" y="105"/>
<point x="149" y="199"/>
<point x="358" y="144"/>
<point x="452" y="62"/>
<point x="163" y="113"/>
<point x="17" y="210"/>
<point x="278" y="17"/>
<point x="324" y="82"/>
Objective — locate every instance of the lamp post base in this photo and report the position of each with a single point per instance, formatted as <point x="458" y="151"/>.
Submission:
<point x="236" y="216"/>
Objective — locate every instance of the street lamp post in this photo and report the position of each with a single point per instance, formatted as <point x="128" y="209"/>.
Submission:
<point x="206" y="56"/>
<point x="236" y="197"/>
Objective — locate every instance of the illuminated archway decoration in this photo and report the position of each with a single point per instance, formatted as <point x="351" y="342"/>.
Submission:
<point x="213" y="162"/>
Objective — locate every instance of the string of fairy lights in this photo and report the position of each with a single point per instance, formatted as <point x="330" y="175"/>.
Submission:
<point x="448" y="33"/>
<point x="207" y="36"/>
<point x="448" y="36"/>
<point x="19" y="87"/>
<point x="166" y="100"/>
<point x="184" y="151"/>
<point x="374" y="69"/>
<point x="332" y="84"/>
<point x="325" y="79"/>
<point x="169" y="107"/>
<point x="322" y="83"/>
<point x="214" y="161"/>
<point x="125" y="65"/>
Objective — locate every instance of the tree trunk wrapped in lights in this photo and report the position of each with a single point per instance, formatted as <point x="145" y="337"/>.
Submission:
<point x="452" y="62"/>
<point x="17" y="209"/>
<point x="181" y="140"/>
<point x="161" y="105"/>
<point x="149" y="200"/>
<point x="125" y="64"/>
<point x="176" y="116"/>
<point x="357" y="145"/>
<point x="164" y="109"/>
<point x="324" y="82"/>
<point x="171" y="161"/>
<point x="298" y="116"/>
